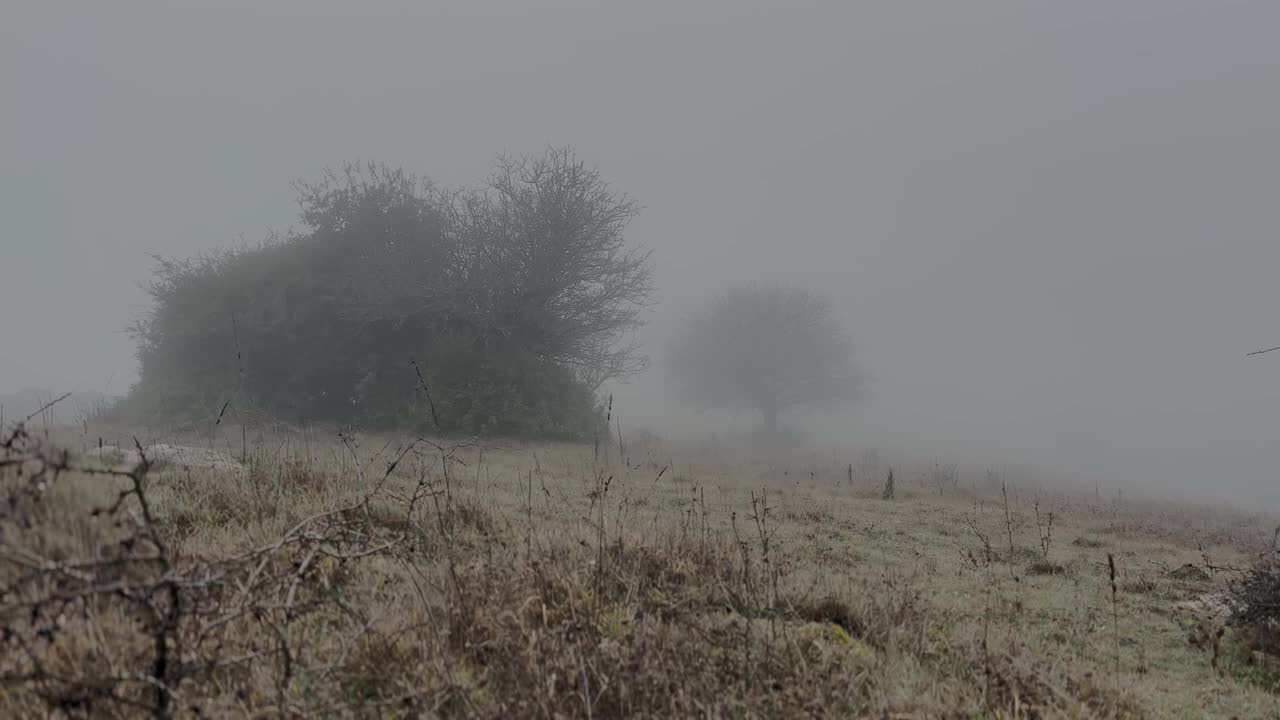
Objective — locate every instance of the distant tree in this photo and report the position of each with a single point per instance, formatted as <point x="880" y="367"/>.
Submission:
<point x="517" y="300"/>
<point x="763" y="348"/>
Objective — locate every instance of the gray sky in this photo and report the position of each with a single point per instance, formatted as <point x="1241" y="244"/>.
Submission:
<point x="1050" y="226"/>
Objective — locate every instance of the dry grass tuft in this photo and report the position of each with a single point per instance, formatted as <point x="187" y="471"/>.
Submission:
<point x="1142" y="585"/>
<point x="1019" y="686"/>
<point x="1190" y="573"/>
<point x="1047" y="567"/>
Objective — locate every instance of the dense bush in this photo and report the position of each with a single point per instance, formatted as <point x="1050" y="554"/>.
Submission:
<point x="514" y="300"/>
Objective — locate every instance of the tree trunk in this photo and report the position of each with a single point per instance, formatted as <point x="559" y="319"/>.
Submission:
<point x="770" y="414"/>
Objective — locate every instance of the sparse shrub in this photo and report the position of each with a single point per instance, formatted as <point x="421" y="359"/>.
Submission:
<point x="1044" y="528"/>
<point x="1206" y="635"/>
<point x="944" y="476"/>
<point x="1254" y="600"/>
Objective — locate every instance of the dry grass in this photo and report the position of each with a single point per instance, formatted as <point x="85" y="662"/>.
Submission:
<point x="556" y="581"/>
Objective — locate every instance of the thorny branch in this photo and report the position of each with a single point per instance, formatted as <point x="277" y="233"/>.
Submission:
<point x="186" y="619"/>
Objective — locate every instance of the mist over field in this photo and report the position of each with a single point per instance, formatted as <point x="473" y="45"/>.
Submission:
<point x="1049" y="229"/>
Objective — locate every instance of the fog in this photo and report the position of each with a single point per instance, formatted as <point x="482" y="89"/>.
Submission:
<point x="1049" y="227"/>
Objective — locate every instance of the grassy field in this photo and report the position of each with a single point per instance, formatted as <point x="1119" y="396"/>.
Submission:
<point x="383" y="577"/>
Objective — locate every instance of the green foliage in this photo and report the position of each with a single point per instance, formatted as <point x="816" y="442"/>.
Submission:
<point x="514" y="300"/>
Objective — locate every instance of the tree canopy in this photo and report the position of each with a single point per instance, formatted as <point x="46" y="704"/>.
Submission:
<point x="763" y="348"/>
<point x="516" y="300"/>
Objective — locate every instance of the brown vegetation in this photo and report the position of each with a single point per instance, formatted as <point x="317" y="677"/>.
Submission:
<point x="434" y="580"/>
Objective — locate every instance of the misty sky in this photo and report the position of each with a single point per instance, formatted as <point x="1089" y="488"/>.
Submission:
<point x="1050" y="226"/>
